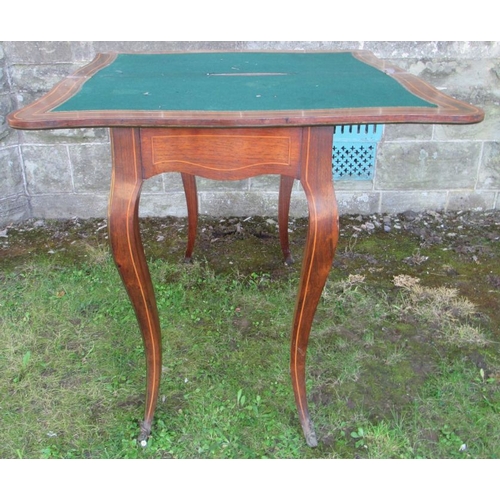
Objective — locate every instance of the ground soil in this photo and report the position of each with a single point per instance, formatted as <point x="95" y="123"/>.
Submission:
<point x="456" y="249"/>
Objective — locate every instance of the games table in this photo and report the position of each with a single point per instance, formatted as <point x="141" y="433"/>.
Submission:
<point x="230" y="116"/>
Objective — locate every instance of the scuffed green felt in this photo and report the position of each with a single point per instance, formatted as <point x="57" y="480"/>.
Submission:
<point x="187" y="82"/>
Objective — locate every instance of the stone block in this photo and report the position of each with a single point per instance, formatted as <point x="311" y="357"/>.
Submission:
<point x="442" y="49"/>
<point x="487" y="130"/>
<point x="154" y="185"/>
<point x="11" y="172"/>
<point x="357" y="203"/>
<point x="31" y="81"/>
<point x="489" y="172"/>
<point x="351" y="196"/>
<point x="427" y="165"/>
<point x="302" y="45"/>
<point x="6" y="104"/>
<point x="47" y="169"/>
<point x="66" y="206"/>
<point x="469" y="49"/>
<point x="91" y="168"/>
<point x="14" y="209"/>
<point x="408" y="131"/>
<point x="265" y="183"/>
<point x="401" y="50"/>
<point x="471" y="200"/>
<point x="165" y="46"/>
<point x="172" y="182"/>
<point x="4" y="83"/>
<point x="8" y="136"/>
<point x="238" y="204"/>
<point x="465" y="132"/>
<point x="353" y="185"/>
<point x="396" y="202"/>
<point x="162" y="205"/>
<point x="211" y="185"/>
<point x="298" y="205"/>
<point x="66" y="136"/>
<point x="48" y="52"/>
<point x="450" y="74"/>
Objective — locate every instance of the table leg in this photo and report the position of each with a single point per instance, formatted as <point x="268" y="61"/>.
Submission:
<point x="316" y="179"/>
<point x="189" y="182"/>
<point x="128" y="253"/>
<point x="285" y="195"/>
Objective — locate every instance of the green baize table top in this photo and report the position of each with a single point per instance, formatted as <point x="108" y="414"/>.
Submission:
<point x="239" y="81"/>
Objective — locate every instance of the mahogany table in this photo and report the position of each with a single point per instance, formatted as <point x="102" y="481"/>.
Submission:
<point x="230" y="116"/>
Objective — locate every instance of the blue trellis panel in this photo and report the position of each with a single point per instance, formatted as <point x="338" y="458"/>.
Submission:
<point x="354" y="151"/>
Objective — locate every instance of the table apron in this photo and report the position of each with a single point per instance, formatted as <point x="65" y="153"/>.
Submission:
<point x="222" y="154"/>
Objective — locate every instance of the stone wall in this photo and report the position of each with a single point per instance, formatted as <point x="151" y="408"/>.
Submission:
<point x="66" y="173"/>
<point x="14" y="199"/>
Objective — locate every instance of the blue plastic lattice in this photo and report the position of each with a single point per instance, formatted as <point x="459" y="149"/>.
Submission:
<point x="354" y="151"/>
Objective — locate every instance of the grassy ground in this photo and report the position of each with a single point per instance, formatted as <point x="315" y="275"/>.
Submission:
<point x="403" y="361"/>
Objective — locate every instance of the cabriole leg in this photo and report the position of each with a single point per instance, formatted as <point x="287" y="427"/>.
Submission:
<point x="316" y="179"/>
<point x="189" y="182"/>
<point x="128" y="253"/>
<point x="286" y="185"/>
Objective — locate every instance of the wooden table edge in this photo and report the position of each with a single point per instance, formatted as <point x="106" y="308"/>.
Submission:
<point x="39" y="114"/>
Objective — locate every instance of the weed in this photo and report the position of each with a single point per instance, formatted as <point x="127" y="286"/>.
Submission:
<point x="396" y="355"/>
<point x="24" y="366"/>
<point x="359" y="437"/>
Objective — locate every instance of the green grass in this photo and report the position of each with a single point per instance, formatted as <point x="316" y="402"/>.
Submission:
<point x="407" y="371"/>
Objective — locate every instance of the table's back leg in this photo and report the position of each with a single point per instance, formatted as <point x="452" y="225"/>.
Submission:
<point x="316" y="179"/>
<point x="128" y="253"/>
<point x="189" y="182"/>
<point x="190" y="191"/>
<point x="286" y="185"/>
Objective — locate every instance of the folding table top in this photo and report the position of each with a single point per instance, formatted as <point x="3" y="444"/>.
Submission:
<point x="240" y="89"/>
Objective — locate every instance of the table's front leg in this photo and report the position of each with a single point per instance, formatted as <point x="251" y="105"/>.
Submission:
<point x="316" y="179"/>
<point x="128" y="253"/>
